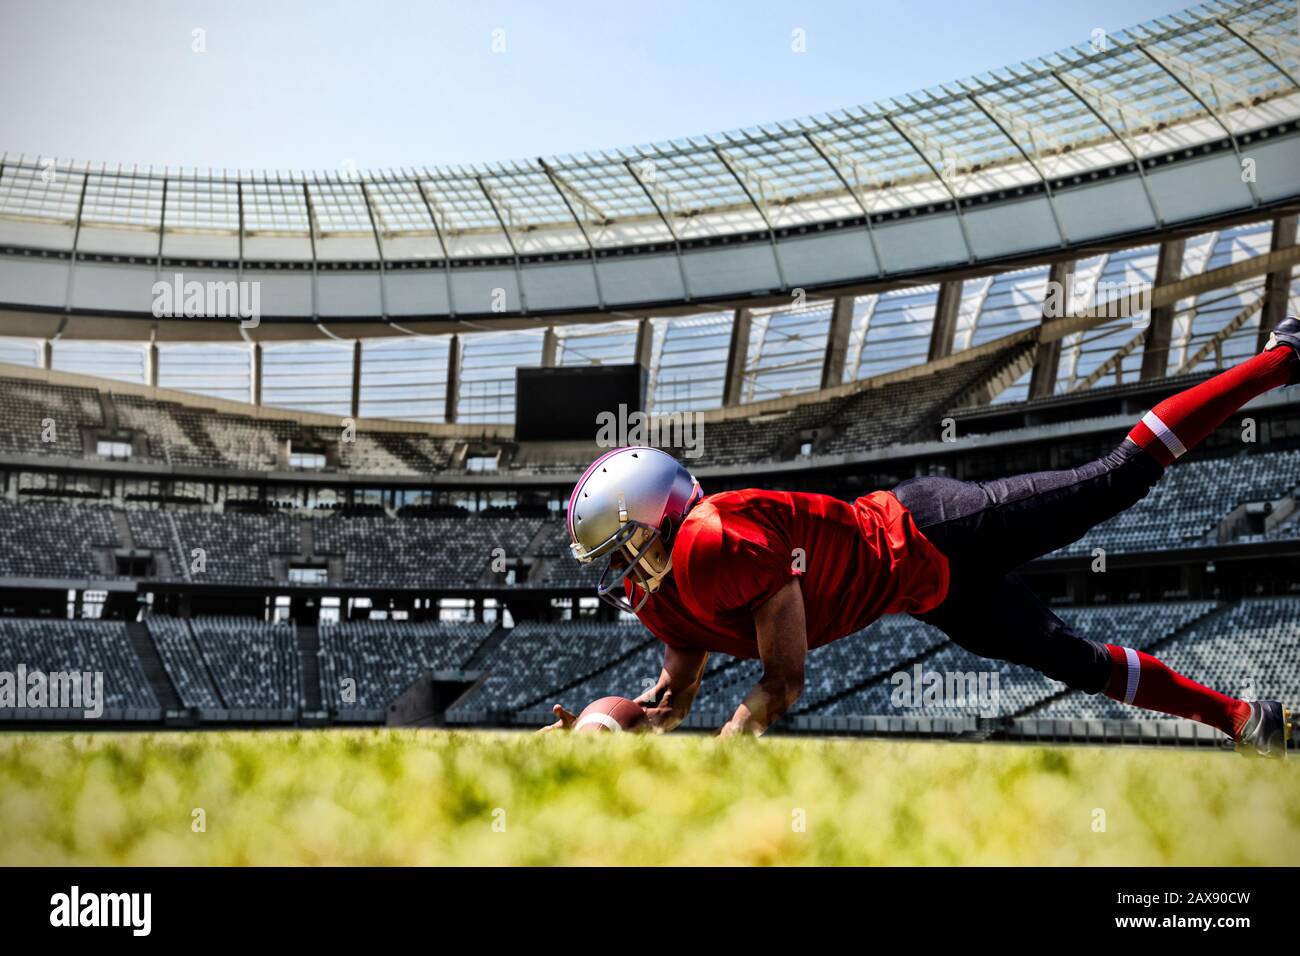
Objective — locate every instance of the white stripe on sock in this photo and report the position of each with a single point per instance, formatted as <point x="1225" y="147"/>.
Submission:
<point x="1134" y="674"/>
<point x="1165" y="434"/>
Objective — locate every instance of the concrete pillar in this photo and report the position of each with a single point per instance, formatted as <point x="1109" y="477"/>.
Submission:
<point x="1047" y="363"/>
<point x="1277" y="285"/>
<point x="1155" y="354"/>
<point x="645" y="338"/>
<point x="945" y="320"/>
<point x="356" y="379"/>
<point x="837" y="340"/>
<point x="737" y="353"/>
<point x="550" y="347"/>
<point x="255" y="379"/>
<point x="453" y="379"/>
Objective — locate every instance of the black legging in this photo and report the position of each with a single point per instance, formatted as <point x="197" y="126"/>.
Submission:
<point x="987" y="529"/>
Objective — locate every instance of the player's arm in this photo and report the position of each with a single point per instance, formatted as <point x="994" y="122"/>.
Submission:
<point x="782" y="633"/>
<point x="669" y="701"/>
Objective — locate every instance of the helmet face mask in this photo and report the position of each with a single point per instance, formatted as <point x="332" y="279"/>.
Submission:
<point x="645" y="558"/>
<point x="627" y="507"/>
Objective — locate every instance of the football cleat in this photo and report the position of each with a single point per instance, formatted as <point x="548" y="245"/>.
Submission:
<point x="1287" y="333"/>
<point x="627" y="507"/>
<point x="1266" y="731"/>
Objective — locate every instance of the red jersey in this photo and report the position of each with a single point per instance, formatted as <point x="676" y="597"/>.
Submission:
<point x="856" y="561"/>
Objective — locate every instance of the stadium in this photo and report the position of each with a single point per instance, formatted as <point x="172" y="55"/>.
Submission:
<point x="285" y="456"/>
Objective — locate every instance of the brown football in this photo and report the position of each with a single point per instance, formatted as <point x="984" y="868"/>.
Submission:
<point x="610" y="715"/>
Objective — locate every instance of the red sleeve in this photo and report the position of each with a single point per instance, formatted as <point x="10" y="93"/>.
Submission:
<point x="727" y="560"/>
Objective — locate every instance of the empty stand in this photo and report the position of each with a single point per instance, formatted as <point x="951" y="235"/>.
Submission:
<point x="253" y="663"/>
<point x="537" y="658"/>
<point x="59" y="646"/>
<point x="1194" y="495"/>
<point x="235" y="548"/>
<point x="181" y="434"/>
<point x="44" y="539"/>
<point x="1018" y="688"/>
<point x="445" y="552"/>
<point x="42" y="419"/>
<point x="365" y="665"/>
<point x="186" y="667"/>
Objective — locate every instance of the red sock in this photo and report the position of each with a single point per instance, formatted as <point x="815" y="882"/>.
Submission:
<point x="1139" y="679"/>
<point x="1181" y="421"/>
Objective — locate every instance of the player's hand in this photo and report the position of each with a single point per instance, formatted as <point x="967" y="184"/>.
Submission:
<point x="657" y="712"/>
<point x="649" y="698"/>
<point x="732" y="729"/>
<point x="564" y="720"/>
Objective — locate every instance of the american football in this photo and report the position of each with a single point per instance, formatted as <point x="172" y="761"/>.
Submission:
<point x="648" y="435"/>
<point x="610" y="715"/>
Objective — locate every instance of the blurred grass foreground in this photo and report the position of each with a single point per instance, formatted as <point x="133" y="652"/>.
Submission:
<point x="475" y="797"/>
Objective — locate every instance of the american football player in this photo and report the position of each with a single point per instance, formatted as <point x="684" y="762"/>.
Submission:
<point x="772" y="574"/>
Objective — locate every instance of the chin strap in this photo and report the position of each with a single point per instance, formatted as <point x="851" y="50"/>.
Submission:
<point x="657" y="578"/>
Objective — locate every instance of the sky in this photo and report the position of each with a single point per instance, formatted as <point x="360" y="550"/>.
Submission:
<point x="388" y="83"/>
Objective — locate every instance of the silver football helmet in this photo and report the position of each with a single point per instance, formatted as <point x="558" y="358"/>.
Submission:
<point x="627" y="507"/>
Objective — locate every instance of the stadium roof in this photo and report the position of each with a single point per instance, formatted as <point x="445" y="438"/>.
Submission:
<point x="1218" y="63"/>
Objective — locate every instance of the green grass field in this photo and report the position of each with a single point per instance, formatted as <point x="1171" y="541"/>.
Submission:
<point x="433" y="797"/>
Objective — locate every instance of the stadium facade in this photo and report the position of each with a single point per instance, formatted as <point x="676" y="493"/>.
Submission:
<point x="259" y="462"/>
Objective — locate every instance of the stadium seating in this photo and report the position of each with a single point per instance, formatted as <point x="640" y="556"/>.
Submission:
<point x="61" y="646"/>
<point x="381" y="658"/>
<point x="178" y="434"/>
<point x="537" y="659"/>
<point x="629" y="676"/>
<point x="910" y="410"/>
<point x="725" y="684"/>
<point x="42" y="419"/>
<point x="185" y="666"/>
<point x="245" y="666"/>
<point x="221" y="666"/>
<point x="835" y="668"/>
<point x="556" y="567"/>
<point x="253" y="663"/>
<point x="1018" y="688"/>
<point x="447" y="552"/>
<point x="44" y="539"/>
<point x="235" y="548"/>
<point x="1187" y="504"/>
<point x="171" y="435"/>
<point x="1287" y="530"/>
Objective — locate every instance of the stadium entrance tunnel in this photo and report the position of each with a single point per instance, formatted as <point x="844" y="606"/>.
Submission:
<point x="425" y="701"/>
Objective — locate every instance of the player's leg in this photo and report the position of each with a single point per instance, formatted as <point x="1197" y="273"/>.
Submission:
<point x="1001" y="618"/>
<point x="1182" y="421"/>
<point x="1005" y="620"/>
<point x="1004" y="523"/>
<point x="996" y="526"/>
